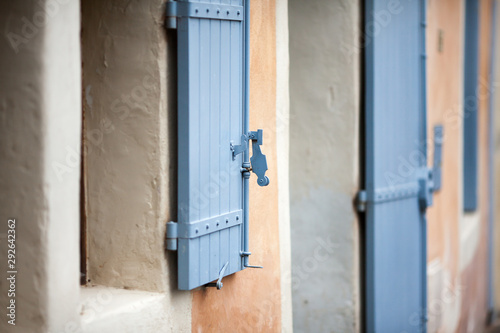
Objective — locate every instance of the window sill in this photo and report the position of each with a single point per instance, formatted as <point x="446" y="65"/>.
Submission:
<point x="106" y="309"/>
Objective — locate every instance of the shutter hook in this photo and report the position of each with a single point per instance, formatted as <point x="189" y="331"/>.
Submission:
<point x="247" y="254"/>
<point x="219" y="284"/>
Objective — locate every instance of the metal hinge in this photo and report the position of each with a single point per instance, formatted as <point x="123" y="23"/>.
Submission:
<point x="386" y="194"/>
<point x="426" y="188"/>
<point x="421" y="189"/>
<point x="361" y="201"/>
<point x="201" y="227"/>
<point x="172" y="235"/>
<point x="258" y="161"/>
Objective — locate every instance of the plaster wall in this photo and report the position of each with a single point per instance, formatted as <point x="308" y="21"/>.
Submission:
<point x="130" y="157"/>
<point x="40" y="122"/>
<point x="283" y="160"/>
<point x="324" y="164"/>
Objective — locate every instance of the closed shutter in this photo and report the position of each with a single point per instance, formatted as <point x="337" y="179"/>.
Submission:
<point x="397" y="180"/>
<point x="212" y="226"/>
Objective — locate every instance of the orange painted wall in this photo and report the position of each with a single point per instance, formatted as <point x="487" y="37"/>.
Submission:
<point x="475" y="276"/>
<point x="444" y="68"/>
<point x="466" y="285"/>
<point x="251" y="300"/>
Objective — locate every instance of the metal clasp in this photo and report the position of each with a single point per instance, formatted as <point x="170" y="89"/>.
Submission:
<point x="258" y="160"/>
<point x="219" y="284"/>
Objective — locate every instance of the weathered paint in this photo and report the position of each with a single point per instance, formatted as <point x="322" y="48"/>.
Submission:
<point x="444" y="106"/>
<point x="474" y="275"/>
<point x="252" y="298"/>
<point x="324" y="165"/>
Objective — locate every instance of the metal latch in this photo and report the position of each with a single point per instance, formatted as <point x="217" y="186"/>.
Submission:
<point x="438" y="157"/>
<point x="219" y="284"/>
<point x="430" y="179"/>
<point x="258" y="160"/>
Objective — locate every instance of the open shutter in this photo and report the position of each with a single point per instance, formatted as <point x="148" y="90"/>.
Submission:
<point x="397" y="181"/>
<point x="211" y="235"/>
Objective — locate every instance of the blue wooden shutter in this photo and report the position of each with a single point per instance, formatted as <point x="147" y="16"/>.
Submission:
<point x="210" y="118"/>
<point x="397" y="183"/>
<point x="471" y="71"/>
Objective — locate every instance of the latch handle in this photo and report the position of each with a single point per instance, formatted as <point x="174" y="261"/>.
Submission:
<point x="258" y="160"/>
<point x="438" y="153"/>
<point x="219" y="284"/>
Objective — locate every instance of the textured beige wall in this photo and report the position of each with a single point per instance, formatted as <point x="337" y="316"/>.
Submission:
<point x="126" y="143"/>
<point x="283" y="154"/>
<point x="40" y="122"/>
<point x="324" y="164"/>
<point x="130" y="139"/>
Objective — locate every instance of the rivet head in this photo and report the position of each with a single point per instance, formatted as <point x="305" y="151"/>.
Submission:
<point x="227" y="12"/>
<point x="218" y="11"/>
<point x="207" y="226"/>
<point x="208" y="10"/>
<point x="238" y="12"/>
<point x="196" y="10"/>
<point x="227" y="220"/>
<point x="217" y="223"/>
<point x="237" y="217"/>
<point x="196" y="230"/>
